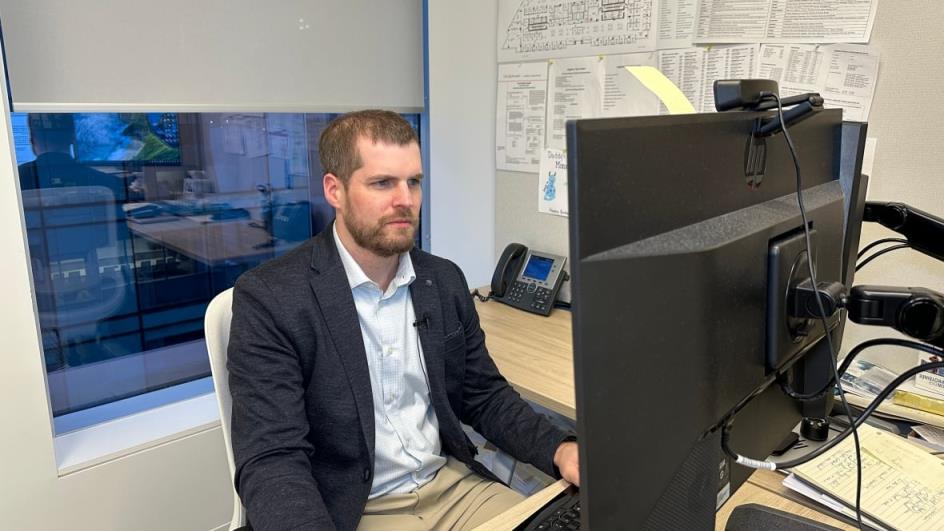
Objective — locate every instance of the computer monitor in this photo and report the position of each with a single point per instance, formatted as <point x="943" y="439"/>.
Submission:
<point x="137" y="139"/>
<point x="680" y="274"/>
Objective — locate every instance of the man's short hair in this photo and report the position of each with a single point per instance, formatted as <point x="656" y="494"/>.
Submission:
<point x="52" y="128"/>
<point x="337" y="147"/>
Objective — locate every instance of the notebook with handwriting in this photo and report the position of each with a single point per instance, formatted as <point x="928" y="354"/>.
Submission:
<point x="902" y="485"/>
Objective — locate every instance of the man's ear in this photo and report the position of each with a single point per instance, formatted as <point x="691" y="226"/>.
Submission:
<point x="333" y="189"/>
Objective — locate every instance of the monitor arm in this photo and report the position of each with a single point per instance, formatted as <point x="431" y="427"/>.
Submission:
<point x="917" y="312"/>
<point x="924" y="231"/>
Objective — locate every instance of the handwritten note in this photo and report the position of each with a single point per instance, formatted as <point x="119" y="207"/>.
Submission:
<point x="902" y="485"/>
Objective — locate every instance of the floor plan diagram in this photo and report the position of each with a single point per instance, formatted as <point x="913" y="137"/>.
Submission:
<point x="540" y="29"/>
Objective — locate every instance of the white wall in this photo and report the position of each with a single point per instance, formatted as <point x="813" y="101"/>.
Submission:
<point x="906" y="119"/>
<point x="462" y="80"/>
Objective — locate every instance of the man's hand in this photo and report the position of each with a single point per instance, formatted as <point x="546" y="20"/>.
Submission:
<point x="567" y="462"/>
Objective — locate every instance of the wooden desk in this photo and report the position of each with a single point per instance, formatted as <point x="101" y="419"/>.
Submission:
<point x="213" y="242"/>
<point x="766" y="488"/>
<point x="535" y="354"/>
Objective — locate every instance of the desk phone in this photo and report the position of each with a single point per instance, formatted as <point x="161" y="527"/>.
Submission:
<point x="527" y="279"/>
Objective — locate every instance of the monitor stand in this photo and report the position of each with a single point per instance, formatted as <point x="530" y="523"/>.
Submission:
<point x="754" y="517"/>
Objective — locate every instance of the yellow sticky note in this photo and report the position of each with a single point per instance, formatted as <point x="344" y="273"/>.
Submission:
<point x="673" y="98"/>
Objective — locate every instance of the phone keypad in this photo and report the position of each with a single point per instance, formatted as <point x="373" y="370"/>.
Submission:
<point x="518" y="289"/>
<point x="530" y="296"/>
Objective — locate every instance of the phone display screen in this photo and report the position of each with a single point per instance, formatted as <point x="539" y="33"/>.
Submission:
<point x="538" y="268"/>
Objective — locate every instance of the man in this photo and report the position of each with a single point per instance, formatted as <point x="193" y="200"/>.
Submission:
<point x="354" y="358"/>
<point x="52" y="136"/>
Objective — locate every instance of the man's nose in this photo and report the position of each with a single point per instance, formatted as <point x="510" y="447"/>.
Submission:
<point x="404" y="195"/>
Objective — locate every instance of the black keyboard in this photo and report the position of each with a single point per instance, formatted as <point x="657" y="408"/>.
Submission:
<point x="561" y="513"/>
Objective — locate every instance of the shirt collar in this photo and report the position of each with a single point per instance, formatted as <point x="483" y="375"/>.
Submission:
<point x="355" y="275"/>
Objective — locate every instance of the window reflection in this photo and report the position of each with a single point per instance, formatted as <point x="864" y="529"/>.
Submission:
<point x="136" y="220"/>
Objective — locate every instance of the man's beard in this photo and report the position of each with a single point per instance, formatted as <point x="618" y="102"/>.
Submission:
<point x="374" y="239"/>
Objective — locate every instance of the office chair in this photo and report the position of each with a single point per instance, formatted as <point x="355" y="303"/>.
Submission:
<point x="81" y="275"/>
<point x="216" y="325"/>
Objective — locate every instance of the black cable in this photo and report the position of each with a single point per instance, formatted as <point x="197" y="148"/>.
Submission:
<point x="865" y="414"/>
<point x="876" y="243"/>
<point x="805" y="397"/>
<point x="482" y="298"/>
<point x="847" y="361"/>
<point x="930" y="349"/>
<point x="862" y="264"/>
<point x="880" y="397"/>
<point x="819" y="303"/>
<point x="805" y="458"/>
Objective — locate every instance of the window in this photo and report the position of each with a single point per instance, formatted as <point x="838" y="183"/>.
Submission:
<point x="137" y="220"/>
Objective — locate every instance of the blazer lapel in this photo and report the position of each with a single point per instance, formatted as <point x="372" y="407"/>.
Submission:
<point x="428" y="310"/>
<point x="333" y="294"/>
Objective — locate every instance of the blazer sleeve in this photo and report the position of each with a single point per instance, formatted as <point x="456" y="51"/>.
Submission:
<point x="269" y="423"/>
<point x="493" y="408"/>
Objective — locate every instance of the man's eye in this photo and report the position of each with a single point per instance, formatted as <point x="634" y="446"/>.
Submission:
<point x="383" y="183"/>
<point x="414" y="182"/>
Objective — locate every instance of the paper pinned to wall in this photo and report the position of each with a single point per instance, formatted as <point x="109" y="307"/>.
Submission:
<point x="546" y="29"/>
<point x="575" y="90"/>
<point x="726" y="62"/>
<point x="623" y="93"/>
<point x="519" y="119"/>
<point x="233" y="138"/>
<point x="676" y="23"/>
<point x="686" y="69"/>
<point x="844" y="74"/>
<point x="254" y="138"/>
<point x="694" y="70"/>
<point x="780" y="21"/>
<point x="850" y="83"/>
<point x="552" y="182"/>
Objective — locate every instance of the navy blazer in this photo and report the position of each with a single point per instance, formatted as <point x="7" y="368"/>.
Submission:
<point x="303" y="422"/>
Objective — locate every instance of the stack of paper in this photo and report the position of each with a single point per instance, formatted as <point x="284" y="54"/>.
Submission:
<point x="902" y="485"/>
<point x="864" y="380"/>
<point x="928" y="436"/>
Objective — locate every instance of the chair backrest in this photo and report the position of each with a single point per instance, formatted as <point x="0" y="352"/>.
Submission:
<point x="216" y="325"/>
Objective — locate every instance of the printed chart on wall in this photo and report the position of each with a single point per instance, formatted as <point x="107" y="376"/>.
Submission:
<point x="519" y="135"/>
<point x="544" y="29"/>
<point x="785" y="21"/>
<point x="844" y="74"/>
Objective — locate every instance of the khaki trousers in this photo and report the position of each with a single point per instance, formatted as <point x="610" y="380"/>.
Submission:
<point x="456" y="499"/>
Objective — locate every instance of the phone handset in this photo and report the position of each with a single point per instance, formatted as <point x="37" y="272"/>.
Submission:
<point x="507" y="269"/>
<point x="527" y="279"/>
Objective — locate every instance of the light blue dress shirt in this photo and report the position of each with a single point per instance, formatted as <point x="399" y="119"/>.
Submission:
<point x="407" y="450"/>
